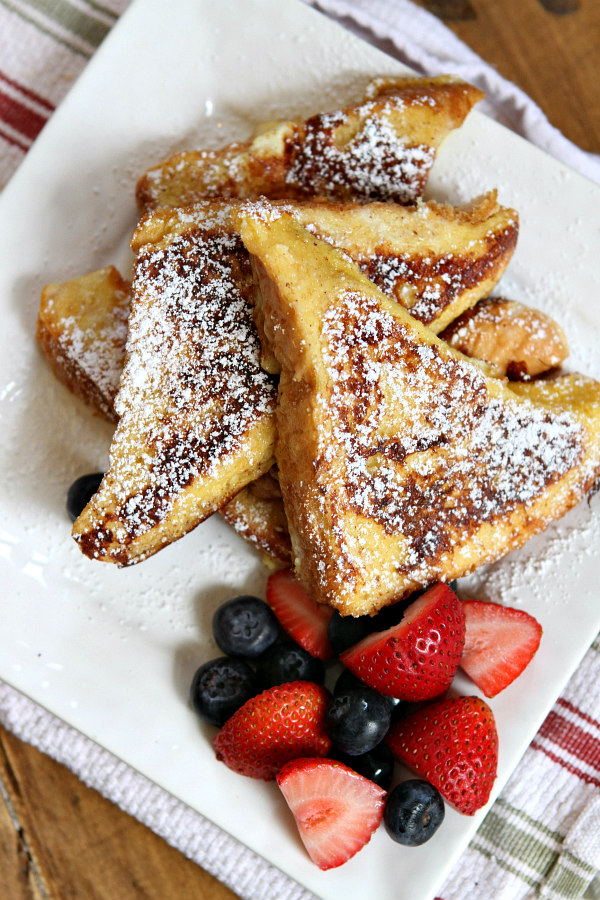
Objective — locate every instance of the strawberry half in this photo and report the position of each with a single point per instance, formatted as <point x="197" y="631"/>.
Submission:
<point x="280" y="724"/>
<point x="304" y="620"/>
<point x="418" y="658"/>
<point x="453" y="744"/>
<point x="500" y="642"/>
<point x="336" y="809"/>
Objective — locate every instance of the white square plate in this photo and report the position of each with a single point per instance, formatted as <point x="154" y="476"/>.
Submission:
<point x="112" y="651"/>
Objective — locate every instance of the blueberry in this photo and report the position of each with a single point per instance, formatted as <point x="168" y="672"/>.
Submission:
<point x="81" y="492"/>
<point x="288" y="662"/>
<point x="220" y="687"/>
<point x="414" y="811"/>
<point x="377" y="765"/>
<point x="345" y="631"/>
<point x="347" y="681"/>
<point x="357" y="720"/>
<point x="245" y="626"/>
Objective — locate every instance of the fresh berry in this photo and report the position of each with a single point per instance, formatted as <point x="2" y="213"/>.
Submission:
<point x="358" y="720"/>
<point x="304" y="620"/>
<point x="288" y="662"/>
<point x="347" y="681"/>
<point x="500" y="642"/>
<point x="81" y="492"/>
<point x="280" y="724"/>
<point x="418" y="658"/>
<point x="345" y="631"/>
<point x="245" y="626"/>
<point x="414" y="811"/>
<point x="220" y="687"/>
<point x="453" y="744"/>
<point x="336" y="810"/>
<point x="377" y="765"/>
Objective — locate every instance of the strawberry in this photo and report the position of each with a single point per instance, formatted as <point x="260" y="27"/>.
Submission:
<point x="336" y="809"/>
<point x="304" y="620"/>
<point x="500" y="642"/>
<point x="453" y="744"/>
<point x="282" y="723"/>
<point x="418" y="658"/>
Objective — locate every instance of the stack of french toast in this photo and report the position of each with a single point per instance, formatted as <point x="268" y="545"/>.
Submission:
<point x="311" y="349"/>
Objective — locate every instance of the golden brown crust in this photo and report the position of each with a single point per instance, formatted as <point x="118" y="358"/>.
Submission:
<point x="380" y="149"/>
<point x="516" y="340"/>
<point x="364" y="231"/>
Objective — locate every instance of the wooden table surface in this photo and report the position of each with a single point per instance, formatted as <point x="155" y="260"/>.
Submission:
<point x="60" y="840"/>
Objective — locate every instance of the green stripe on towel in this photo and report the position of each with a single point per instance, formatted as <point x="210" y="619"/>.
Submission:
<point x="72" y="19"/>
<point x="532" y="852"/>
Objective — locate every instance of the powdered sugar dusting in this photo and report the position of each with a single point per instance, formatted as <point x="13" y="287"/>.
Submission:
<point x="375" y="165"/>
<point x="100" y="352"/>
<point x="192" y="385"/>
<point x="486" y="456"/>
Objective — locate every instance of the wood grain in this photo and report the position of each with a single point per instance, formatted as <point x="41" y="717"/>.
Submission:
<point x="553" y="58"/>
<point x="58" y="839"/>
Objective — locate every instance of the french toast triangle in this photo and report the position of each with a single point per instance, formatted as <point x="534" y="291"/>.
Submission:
<point x="195" y="409"/>
<point x="400" y="462"/>
<point x="381" y="148"/>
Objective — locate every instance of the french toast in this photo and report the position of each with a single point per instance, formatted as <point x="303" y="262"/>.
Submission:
<point x="515" y="340"/>
<point x="400" y="461"/>
<point x="379" y="149"/>
<point x="436" y="260"/>
<point x="257" y="514"/>
<point x="82" y="329"/>
<point x="348" y="226"/>
<point x="195" y="408"/>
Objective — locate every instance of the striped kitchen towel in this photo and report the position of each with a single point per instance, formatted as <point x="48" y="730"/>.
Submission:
<point x="542" y="836"/>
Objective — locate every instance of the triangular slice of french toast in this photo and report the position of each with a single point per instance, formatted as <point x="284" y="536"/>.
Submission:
<point x="400" y="462"/>
<point x="381" y="148"/>
<point x="195" y="408"/>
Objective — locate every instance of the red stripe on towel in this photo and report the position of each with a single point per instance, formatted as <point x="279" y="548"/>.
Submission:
<point x="20" y="117"/>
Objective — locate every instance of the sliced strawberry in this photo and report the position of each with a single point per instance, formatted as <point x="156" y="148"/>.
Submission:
<point x="500" y="642"/>
<point x="304" y="620"/>
<point x="418" y="658"/>
<point x="453" y="744"/>
<point x="280" y="724"/>
<point x="336" y="809"/>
